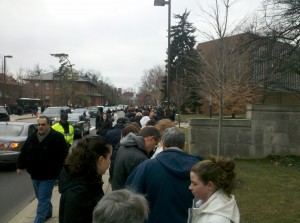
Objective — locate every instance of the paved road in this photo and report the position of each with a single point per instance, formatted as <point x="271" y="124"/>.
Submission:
<point x="16" y="192"/>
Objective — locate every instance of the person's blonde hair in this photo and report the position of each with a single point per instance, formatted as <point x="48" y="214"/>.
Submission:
<point x="163" y="124"/>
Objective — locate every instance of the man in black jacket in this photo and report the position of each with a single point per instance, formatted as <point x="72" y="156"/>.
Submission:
<point x="43" y="156"/>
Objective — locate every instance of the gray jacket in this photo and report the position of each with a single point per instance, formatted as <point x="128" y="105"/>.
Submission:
<point x="130" y="154"/>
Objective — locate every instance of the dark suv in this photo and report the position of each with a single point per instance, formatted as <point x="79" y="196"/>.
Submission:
<point x="4" y="116"/>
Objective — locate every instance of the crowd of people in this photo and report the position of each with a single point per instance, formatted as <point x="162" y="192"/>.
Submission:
<point x="153" y="178"/>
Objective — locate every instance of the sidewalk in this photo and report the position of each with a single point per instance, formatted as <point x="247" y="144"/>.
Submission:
<point x="20" y="117"/>
<point x="27" y="215"/>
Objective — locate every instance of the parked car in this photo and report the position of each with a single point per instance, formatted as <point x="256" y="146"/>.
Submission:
<point x="93" y="110"/>
<point x="4" y="116"/>
<point x="80" y="124"/>
<point x="12" y="137"/>
<point x="122" y="107"/>
<point x="82" y="111"/>
<point x="53" y="113"/>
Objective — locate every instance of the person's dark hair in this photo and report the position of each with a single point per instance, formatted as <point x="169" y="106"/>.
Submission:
<point x="121" y="206"/>
<point x="122" y="120"/>
<point x="150" y="131"/>
<point x="173" y="137"/>
<point x="219" y="170"/>
<point x="135" y="124"/>
<point x="145" y="113"/>
<point x="45" y="117"/>
<point x="83" y="158"/>
<point x="102" y="119"/>
<point x="130" y="109"/>
<point x="151" y="122"/>
<point x="129" y="128"/>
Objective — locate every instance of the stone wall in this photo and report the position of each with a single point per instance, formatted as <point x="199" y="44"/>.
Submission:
<point x="267" y="130"/>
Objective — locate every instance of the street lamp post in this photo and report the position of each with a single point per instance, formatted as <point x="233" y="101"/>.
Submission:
<point x="4" y="77"/>
<point x="162" y="3"/>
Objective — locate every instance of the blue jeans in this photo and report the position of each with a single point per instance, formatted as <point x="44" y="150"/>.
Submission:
<point x="43" y="192"/>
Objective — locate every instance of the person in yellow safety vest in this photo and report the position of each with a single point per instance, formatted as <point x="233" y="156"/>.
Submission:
<point x="65" y="128"/>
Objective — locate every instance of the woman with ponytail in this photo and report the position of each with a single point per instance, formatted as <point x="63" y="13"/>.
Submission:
<point x="80" y="182"/>
<point x="211" y="183"/>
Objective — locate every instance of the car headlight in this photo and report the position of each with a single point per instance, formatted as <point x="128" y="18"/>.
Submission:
<point x="9" y="145"/>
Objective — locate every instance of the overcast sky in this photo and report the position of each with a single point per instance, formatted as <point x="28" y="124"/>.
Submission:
<point x="119" y="38"/>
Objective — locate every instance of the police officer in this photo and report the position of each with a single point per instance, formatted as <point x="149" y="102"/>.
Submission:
<point x="65" y="128"/>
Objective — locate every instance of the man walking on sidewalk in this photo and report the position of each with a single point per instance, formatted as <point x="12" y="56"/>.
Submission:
<point x="43" y="156"/>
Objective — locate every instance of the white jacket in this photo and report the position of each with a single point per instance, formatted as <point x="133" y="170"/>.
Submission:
<point x="219" y="208"/>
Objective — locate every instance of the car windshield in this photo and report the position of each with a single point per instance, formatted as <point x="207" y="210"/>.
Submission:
<point x="79" y="110"/>
<point x="93" y="109"/>
<point x="73" y="117"/>
<point x="52" y="111"/>
<point x="11" y="130"/>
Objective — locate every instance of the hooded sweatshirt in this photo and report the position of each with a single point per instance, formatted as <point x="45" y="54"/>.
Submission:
<point x="219" y="208"/>
<point x="79" y="196"/>
<point x="131" y="153"/>
<point x="165" y="180"/>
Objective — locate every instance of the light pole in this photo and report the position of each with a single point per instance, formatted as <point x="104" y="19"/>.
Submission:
<point x="4" y="77"/>
<point x="162" y="3"/>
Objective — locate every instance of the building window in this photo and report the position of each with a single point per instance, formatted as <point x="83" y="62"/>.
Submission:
<point x="47" y="98"/>
<point x="36" y="84"/>
<point x="47" y="86"/>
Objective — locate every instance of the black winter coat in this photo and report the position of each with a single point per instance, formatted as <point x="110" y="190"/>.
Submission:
<point x="43" y="160"/>
<point x="104" y="127"/>
<point x="114" y="135"/>
<point x="79" y="196"/>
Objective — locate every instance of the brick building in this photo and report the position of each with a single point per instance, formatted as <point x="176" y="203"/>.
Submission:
<point x="10" y="88"/>
<point x="55" y="91"/>
<point x="269" y="84"/>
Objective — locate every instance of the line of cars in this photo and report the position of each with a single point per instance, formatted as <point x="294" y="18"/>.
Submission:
<point x="12" y="137"/>
<point x="13" y="134"/>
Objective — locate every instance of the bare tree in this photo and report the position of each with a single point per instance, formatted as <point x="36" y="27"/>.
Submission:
<point x="282" y="20"/>
<point x="152" y="83"/>
<point x="224" y="77"/>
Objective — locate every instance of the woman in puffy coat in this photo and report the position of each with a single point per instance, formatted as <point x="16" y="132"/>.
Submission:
<point x="80" y="182"/>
